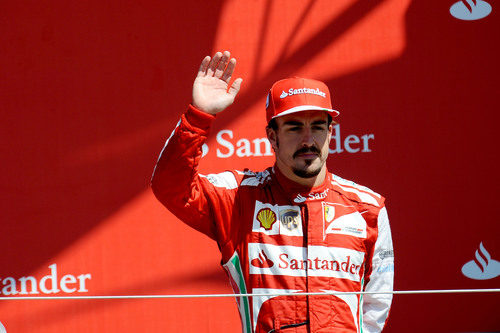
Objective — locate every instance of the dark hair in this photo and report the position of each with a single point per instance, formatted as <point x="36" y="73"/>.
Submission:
<point x="274" y="125"/>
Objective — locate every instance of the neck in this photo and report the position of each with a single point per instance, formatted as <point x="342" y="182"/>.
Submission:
<point x="308" y="182"/>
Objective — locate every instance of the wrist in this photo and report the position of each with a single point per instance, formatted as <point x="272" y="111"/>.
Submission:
<point x="199" y="118"/>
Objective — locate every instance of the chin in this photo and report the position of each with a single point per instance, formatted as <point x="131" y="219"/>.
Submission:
<point x="306" y="173"/>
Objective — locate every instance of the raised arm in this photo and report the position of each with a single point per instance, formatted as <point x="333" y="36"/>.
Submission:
<point x="196" y="200"/>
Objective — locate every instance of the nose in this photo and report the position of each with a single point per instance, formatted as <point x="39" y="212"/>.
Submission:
<point x="307" y="138"/>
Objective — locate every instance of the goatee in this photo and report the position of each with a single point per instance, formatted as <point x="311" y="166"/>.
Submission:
<point x="306" y="173"/>
<point x="302" y="173"/>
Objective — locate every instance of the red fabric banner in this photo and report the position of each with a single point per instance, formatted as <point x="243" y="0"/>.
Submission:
<point x="89" y="91"/>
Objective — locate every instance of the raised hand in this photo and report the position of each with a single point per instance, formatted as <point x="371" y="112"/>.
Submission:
<point x="211" y="90"/>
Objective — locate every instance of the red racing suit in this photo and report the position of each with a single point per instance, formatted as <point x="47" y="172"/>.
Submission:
<point x="276" y="236"/>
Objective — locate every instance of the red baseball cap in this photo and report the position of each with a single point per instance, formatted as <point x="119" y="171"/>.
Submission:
<point x="297" y="94"/>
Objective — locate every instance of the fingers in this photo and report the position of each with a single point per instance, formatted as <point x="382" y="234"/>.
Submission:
<point x="235" y="87"/>
<point x="204" y="66"/>
<point x="219" y="71"/>
<point x="226" y="76"/>
<point x="221" y="66"/>
<point x="213" y="64"/>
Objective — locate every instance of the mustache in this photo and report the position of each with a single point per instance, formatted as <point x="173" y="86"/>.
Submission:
<point x="306" y="150"/>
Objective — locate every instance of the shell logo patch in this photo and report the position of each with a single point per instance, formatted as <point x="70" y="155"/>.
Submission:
<point x="266" y="217"/>
<point x="272" y="219"/>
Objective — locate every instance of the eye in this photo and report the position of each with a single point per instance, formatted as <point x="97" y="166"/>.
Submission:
<point x="294" y="128"/>
<point x="319" y="128"/>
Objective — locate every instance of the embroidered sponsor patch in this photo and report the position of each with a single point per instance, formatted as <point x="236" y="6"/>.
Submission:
<point x="329" y="212"/>
<point x="288" y="217"/>
<point x="342" y="220"/>
<point x="389" y="268"/>
<point x="311" y="196"/>
<point x="262" y="261"/>
<point x="266" y="217"/>
<point x="386" y="254"/>
<point x="300" y="91"/>
<point x="320" y="261"/>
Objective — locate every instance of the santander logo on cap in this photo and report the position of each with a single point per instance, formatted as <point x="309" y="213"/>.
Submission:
<point x="304" y="90"/>
<point x="298" y="94"/>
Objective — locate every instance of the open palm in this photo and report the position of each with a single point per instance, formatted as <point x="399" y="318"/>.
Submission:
<point x="211" y="90"/>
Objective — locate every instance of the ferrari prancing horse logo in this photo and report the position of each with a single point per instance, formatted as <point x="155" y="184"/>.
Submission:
<point x="329" y="213"/>
<point x="343" y="220"/>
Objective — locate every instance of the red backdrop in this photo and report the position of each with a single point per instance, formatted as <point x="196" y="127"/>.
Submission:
<point x="90" y="90"/>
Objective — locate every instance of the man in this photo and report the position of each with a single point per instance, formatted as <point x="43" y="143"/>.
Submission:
<point x="292" y="228"/>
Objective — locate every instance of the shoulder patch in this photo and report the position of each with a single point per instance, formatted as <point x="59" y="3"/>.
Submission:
<point x="224" y="179"/>
<point x="362" y="193"/>
<point x="255" y="178"/>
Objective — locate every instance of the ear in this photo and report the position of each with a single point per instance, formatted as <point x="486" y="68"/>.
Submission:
<point x="330" y="131"/>
<point x="272" y="137"/>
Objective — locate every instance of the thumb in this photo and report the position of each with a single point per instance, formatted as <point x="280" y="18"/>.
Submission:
<point x="235" y="87"/>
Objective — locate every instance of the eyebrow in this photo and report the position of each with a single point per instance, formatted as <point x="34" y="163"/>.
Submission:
<point x="293" y="123"/>
<point x="299" y="123"/>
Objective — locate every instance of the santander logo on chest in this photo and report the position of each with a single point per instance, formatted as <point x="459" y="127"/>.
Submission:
<point x="320" y="261"/>
<point x="311" y="196"/>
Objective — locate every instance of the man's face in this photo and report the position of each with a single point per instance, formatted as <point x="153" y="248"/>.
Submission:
<point x="301" y="143"/>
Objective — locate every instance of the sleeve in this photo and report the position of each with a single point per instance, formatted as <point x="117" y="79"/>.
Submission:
<point x="203" y="202"/>
<point x="376" y="306"/>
